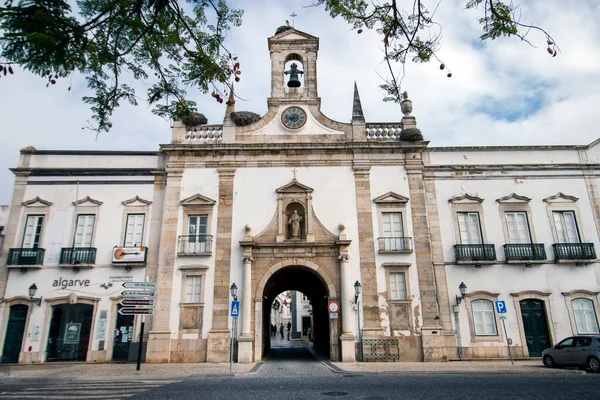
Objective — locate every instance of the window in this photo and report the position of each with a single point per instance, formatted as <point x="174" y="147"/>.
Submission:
<point x="193" y="285"/>
<point x="84" y="230"/>
<point x="469" y="228"/>
<point x="484" y="318"/>
<point x="197" y="231"/>
<point x="398" y="285"/>
<point x="568" y="342"/>
<point x="134" y="230"/>
<point x="566" y="226"/>
<point x="585" y="316"/>
<point x="517" y="227"/>
<point x="392" y="231"/>
<point x="33" y="232"/>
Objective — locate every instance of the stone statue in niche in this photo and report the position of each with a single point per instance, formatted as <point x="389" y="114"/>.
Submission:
<point x="294" y="223"/>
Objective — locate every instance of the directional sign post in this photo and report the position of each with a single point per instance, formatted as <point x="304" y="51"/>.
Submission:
<point x="501" y="309"/>
<point x="137" y="302"/>
<point x="139" y="285"/>
<point x="136" y="311"/>
<point x="137" y="293"/>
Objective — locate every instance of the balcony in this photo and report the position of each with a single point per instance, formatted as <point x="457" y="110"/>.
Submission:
<point x="524" y="253"/>
<point x="574" y="252"/>
<point x="76" y="256"/>
<point x="395" y="244"/>
<point x="25" y="256"/>
<point x="475" y="254"/>
<point x="194" y="245"/>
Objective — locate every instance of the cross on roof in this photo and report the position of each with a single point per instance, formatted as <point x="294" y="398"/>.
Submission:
<point x="293" y="15"/>
<point x="294" y="172"/>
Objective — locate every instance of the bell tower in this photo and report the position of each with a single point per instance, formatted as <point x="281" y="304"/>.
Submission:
<point x="293" y="67"/>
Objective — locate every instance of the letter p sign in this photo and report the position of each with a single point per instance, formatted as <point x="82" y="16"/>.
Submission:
<point x="500" y="306"/>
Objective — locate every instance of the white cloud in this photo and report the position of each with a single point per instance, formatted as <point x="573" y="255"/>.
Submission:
<point x="489" y="80"/>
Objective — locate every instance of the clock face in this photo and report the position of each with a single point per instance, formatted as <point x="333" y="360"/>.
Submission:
<point x="293" y="117"/>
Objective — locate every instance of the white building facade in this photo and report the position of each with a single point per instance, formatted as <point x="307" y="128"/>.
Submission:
<point x="294" y="201"/>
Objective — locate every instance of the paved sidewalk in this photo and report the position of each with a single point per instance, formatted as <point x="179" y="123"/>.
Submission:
<point x="519" y="367"/>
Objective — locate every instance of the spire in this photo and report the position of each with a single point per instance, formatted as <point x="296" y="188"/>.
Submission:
<point x="230" y="106"/>
<point x="357" y="112"/>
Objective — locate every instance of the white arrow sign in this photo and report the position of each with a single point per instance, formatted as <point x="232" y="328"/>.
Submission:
<point x="137" y="293"/>
<point x="139" y="285"/>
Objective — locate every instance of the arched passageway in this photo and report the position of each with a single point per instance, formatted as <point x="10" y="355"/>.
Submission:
<point x="304" y="280"/>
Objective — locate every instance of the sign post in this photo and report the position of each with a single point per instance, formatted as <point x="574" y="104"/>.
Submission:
<point x="235" y="312"/>
<point x="144" y="289"/>
<point x="501" y="308"/>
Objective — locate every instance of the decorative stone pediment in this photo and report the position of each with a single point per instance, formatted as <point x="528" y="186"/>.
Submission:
<point x="294" y="187"/>
<point x="465" y="199"/>
<point x="391" y="198"/>
<point x="87" y="201"/>
<point x="198" y="200"/>
<point x="136" y="201"/>
<point x="560" y="197"/>
<point x="513" y="198"/>
<point x="293" y="34"/>
<point x="37" y="202"/>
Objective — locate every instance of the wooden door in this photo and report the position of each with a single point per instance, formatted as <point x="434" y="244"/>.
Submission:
<point x="15" y="329"/>
<point x="535" y="326"/>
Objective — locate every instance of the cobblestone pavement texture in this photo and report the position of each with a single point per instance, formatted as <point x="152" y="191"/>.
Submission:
<point x="276" y="365"/>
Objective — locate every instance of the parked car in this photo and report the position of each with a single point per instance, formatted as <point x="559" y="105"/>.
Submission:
<point x="574" y="351"/>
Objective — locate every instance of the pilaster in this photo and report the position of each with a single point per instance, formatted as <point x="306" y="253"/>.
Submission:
<point x="159" y="342"/>
<point x="366" y="246"/>
<point x="218" y="346"/>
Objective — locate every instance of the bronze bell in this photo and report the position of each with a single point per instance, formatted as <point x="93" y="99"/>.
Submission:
<point x="294" y="82"/>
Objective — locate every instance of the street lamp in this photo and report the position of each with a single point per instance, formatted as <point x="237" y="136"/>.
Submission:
<point x="463" y="290"/>
<point x="357" y="288"/>
<point x="233" y="289"/>
<point x="32" y="290"/>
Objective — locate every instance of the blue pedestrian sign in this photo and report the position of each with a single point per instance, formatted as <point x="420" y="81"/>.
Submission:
<point x="500" y="306"/>
<point x="235" y="308"/>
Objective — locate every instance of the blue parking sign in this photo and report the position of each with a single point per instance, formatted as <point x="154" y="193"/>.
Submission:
<point x="235" y="308"/>
<point x="500" y="306"/>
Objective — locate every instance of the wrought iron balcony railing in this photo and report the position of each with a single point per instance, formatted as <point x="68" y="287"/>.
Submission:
<point x="25" y="256"/>
<point x="395" y="244"/>
<point x="475" y="252"/>
<point x="77" y="255"/>
<point x="574" y="251"/>
<point x="524" y="252"/>
<point x="195" y="244"/>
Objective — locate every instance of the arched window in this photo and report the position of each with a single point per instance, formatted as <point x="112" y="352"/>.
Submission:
<point x="585" y="316"/>
<point x="294" y="68"/>
<point x="483" y="318"/>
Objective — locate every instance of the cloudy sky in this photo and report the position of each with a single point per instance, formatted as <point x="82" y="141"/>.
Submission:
<point x="502" y="92"/>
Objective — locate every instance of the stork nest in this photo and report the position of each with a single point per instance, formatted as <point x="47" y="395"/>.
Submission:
<point x="243" y="118"/>
<point x="411" y="135"/>
<point x="283" y="28"/>
<point x="195" y="119"/>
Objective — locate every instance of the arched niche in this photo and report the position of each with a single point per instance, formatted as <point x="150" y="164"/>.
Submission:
<point x="291" y="71"/>
<point x="296" y="221"/>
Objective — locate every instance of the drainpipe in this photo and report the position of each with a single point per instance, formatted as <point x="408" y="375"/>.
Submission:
<point x="461" y="354"/>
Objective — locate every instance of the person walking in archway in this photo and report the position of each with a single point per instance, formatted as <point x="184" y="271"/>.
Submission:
<point x="281" y="329"/>
<point x="289" y="326"/>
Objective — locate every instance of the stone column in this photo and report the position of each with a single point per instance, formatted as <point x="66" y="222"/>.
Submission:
<point x="347" y="289"/>
<point x="372" y="324"/>
<point x="245" y="339"/>
<point x="159" y="341"/>
<point x="10" y="231"/>
<point x="154" y="237"/>
<point x="438" y="341"/>
<point x="219" y="337"/>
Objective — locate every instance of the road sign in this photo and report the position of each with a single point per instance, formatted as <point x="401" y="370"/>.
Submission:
<point x="139" y="285"/>
<point x="333" y="315"/>
<point x="500" y="306"/>
<point x="137" y="302"/>
<point x="137" y="293"/>
<point x="235" y="308"/>
<point x="136" y="311"/>
<point x="333" y="307"/>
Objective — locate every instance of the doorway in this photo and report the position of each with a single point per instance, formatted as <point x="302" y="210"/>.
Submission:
<point x="535" y="326"/>
<point x="13" y="340"/>
<point x="306" y="281"/>
<point x="69" y="335"/>
<point x="122" y="336"/>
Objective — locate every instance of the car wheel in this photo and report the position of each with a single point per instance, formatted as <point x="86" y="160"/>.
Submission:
<point x="594" y="364"/>
<point x="549" y="362"/>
